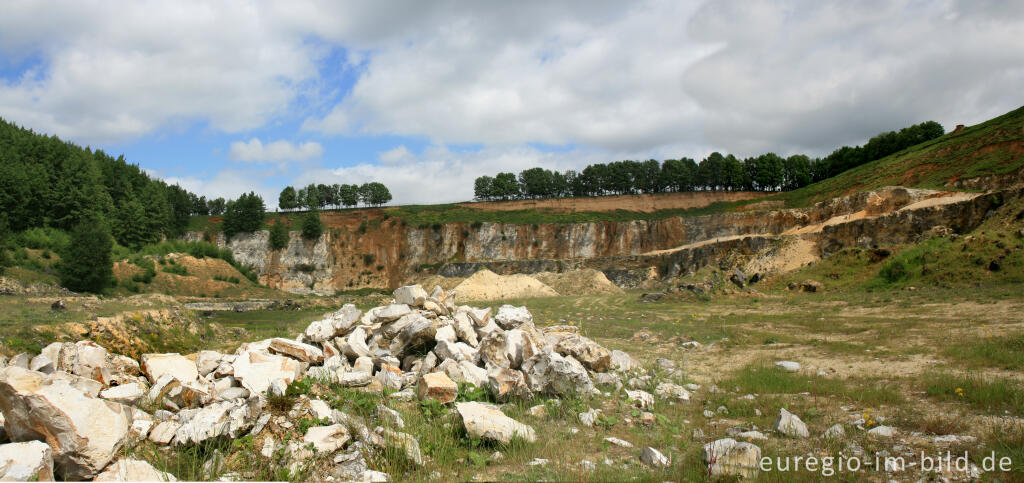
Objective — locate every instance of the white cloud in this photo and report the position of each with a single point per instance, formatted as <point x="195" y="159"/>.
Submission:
<point x="395" y="155"/>
<point x="607" y="76"/>
<point x="112" y="71"/>
<point x="811" y="76"/>
<point x="229" y="184"/>
<point x="255" y="151"/>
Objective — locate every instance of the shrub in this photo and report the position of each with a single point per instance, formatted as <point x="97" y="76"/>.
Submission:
<point x="893" y="271"/>
<point x="86" y="265"/>
<point x="278" y="236"/>
<point x="176" y="269"/>
<point x="312" y="227"/>
<point x="44" y="239"/>
<point x="306" y="267"/>
<point x="368" y="258"/>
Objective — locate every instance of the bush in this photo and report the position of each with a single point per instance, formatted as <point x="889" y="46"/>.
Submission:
<point x="312" y="227"/>
<point x="176" y="269"/>
<point x="368" y="258"/>
<point x="44" y="239"/>
<point x="893" y="271"/>
<point x="278" y="235"/>
<point x="306" y="267"/>
<point x="85" y="264"/>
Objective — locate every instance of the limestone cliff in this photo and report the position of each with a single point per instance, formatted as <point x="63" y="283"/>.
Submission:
<point x="352" y="255"/>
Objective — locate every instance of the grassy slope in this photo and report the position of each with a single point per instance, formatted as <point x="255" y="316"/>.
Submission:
<point x="992" y="147"/>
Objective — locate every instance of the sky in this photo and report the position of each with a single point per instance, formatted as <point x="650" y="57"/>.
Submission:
<point x="233" y="96"/>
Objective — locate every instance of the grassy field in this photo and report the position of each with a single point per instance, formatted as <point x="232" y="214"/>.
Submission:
<point x="929" y="363"/>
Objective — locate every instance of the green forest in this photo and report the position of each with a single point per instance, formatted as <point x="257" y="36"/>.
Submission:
<point x="717" y="172"/>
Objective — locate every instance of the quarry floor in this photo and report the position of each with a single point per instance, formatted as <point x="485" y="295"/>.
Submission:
<point x="928" y="362"/>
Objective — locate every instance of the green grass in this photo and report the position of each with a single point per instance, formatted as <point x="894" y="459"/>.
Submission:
<point x="1005" y="352"/>
<point x="763" y="378"/>
<point x="976" y="151"/>
<point x="987" y="393"/>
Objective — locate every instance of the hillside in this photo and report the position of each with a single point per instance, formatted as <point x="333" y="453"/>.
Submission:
<point x="990" y="149"/>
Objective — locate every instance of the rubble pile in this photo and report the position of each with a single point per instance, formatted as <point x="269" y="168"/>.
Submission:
<point x="86" y="403"/>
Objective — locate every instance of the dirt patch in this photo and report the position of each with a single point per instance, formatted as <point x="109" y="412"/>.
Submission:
<point x="641" y="203"/>
<point x="447" y="283"/>
<point x="791" y="254"/>
<point x="487" y="285"/>
<point x="579" y="282"/>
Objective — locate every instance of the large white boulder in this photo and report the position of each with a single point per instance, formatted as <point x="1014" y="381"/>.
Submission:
<point x="486" y="421"/>
<point x="256" y="370"/>
<point x="334" y="324"/>
<point x="510" y="317"/>
<point x="508" y="348"/>
<point x="226" y="418"/>
<point x="411" y="295"/>
<point x="125" y="394"/>
<point x="623" y="362"/>
<point x="550" y="373"/>
<point x="729" y="457"/>
<point x="585" y="350"/>
<point x="180" y="367"/>
<point x="437" y="385"/>
<point x="789" y="424"/>
<point x="28" y="461"/>
<point x="133" y="470"/>
<point x="391" y="313"/>
<point x="327" y="439"/>
<point x="508" y="384"/>
<point x="297" y="350"/>
<point x="84" y="432"/>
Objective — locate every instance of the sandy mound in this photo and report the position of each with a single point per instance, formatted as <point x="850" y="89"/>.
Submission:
<point x="791" y="255"/>
<point x="579" y="282"/>
<point x="432" y="281"/>
<point x="487" y="285"/>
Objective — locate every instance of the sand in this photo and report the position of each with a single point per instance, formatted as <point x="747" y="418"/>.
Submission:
<point x="487" y="285"/>
<point x="579" y="282"/>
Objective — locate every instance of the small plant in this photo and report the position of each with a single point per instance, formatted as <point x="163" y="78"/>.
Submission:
<point x="306" y="267"/>
<point x="431" y="408"/>
<point x="306" y="423"/>
<point x="176" y="269"/>
<point x="368" y="259"/>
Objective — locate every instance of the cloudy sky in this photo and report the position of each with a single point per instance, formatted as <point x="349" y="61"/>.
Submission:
<point x="230" y="96"/>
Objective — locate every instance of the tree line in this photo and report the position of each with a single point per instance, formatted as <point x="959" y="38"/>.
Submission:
<point x="717" y="172"/>
<point x="48" y="182"/>
<point x="320" y="196"/>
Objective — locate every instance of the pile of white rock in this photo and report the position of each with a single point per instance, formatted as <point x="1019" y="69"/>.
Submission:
<point x="86" y="403"/>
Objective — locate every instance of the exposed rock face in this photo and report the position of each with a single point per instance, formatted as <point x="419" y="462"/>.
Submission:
<point x="28" y="461"/>
<point x="624" y="251"/>
<point x="85" y="432"/>
<point x="487" y="422"/>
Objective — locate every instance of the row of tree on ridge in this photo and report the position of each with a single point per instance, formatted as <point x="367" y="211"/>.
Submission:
<point x="320" y="196"/>
<point x="717" y="172"/>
